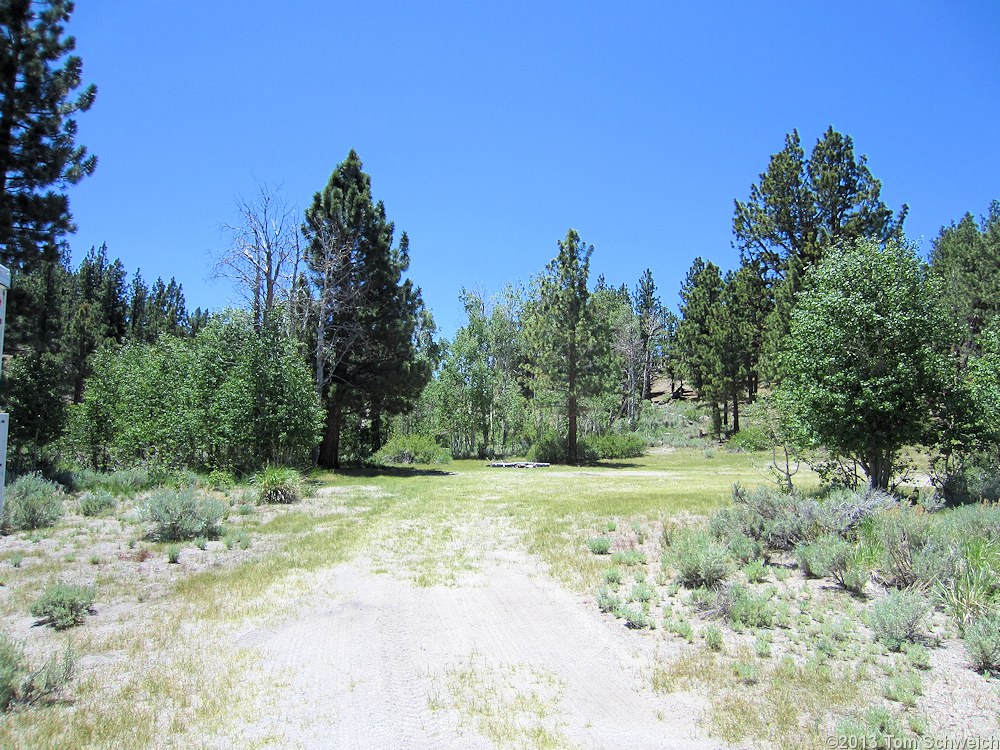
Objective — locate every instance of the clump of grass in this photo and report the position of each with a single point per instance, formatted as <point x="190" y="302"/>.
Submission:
<point x="599" y="545"/>
<point x="20" y="684"/>
<point x="31" y="502"/>
<point x="746" y="672"/>
<point x="699" y="559"/>
<point x="63" y="605"/>
<point x="246" y="510"/>
<point x="181" y="514"/>
<point x="713" y="637"/>
<point x="898" y="619"/>
<point x="98" y="503"/>
<point x="278" y="484"/>
<point x="95" y="559"/>
<point x="610" y="526"/>
<point x="762" y="648"/>
<point x="237" y="539"/>
<point x="201" y="543"/>
<point x="982" y="643"/>
<point x="681" y="627"/>
<point x="174" y="554"/>
<point x="918" y="656"/>
<point x="16" y="559"/>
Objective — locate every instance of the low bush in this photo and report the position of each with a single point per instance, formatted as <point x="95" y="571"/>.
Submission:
<point x="898" y="619"/>
<point x="613" y="576"/>
<point x="19" y="683"/>
<point x="412" y="449"/>
<point x="607" y="601"/>
<point x="31" y="502"/>
<point x="713" y="637"/>
<point x="629" y="558"/>
<point x="744" y="608"/>
<point x="820" y="558"/>
<point x="755" y="571"/>
<point x="699" y="559"/>
<point x="553" y="448"/>
<point x="982" y="643"/>
<point x="278" y="484"/>
<point x="121" y="483"/>
<point x="616" y="445"/>
<point x="63" y="605"/>
<point x="634" y="618"/>
<point x="220" y="480"/>
<point x="181" y="514"/>
<point x="854" y="570"/>
<point x="750" y="440"/>
<point x="599" y="545"/>
<point x="98" y="503"/>
<point x="641" y="592"/>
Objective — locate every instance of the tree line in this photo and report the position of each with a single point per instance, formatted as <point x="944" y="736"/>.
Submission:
<point x="831" y="324"/>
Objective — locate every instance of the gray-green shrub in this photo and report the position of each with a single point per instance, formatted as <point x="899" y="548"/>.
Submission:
<point x="699" y="559"/>
<point x="412" y="449"/>
<point x="599" y="545"/>
<point x="63" y="605"/>
<point x="181" y="514"/>
<point x="899" y="618"/>
<point x="818" y="559"/>
<point x="98" y="503"/>
<point x="982" y="643"/>
<point x="31" y="502"/>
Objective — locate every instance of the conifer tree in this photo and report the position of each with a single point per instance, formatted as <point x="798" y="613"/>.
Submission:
<point x="39" y="157"/>
<point x="366" y="313"/>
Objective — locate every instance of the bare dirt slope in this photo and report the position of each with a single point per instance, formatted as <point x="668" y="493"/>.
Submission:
<point x="505" y="659"/>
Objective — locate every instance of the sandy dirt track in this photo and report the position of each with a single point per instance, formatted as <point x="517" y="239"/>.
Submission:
<point x="384" y="664"/>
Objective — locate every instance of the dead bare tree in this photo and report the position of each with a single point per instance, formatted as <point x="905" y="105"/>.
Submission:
<point x="264" y="255"/>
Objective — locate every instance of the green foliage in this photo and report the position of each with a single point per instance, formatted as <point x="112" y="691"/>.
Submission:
<point x="713" y="637"/>
<point x="173" y="553"/>
<point x="278" y="484"/>
<point x="220" y="480"/>
<point x="20" y="684"/>
<point x="31" y="502"/>
<point x="634" y="618"/>
<point x="599" y="545"/>
<point x="33" y="389"/>
<point x="699" y="559"/>
<point x="904" y="688"/>
<point x="63" y="605"/>
<point x="120" y="483"/>
<point x="876" y="728"/>
<point x="866" y="357"/>
<point x="820" y="558"/>
<point x="230" y="397"/>
<point x="412" y="449"/>
<point x="982" y="643"/>
<point x="629" y="558"/>
<point x="898" y="619"/>
<point x="641" y="592"/>
<point x="755" y="571"/>
<point x="552" y="448"/>
<point x="180" y="514"/>
<point x="613" y="576"/>
<point x="100" y="503"/>
<point x="607" y="601"/>
<point x="616" y="445"/>
<point x="744" y="608"/>
<point x="371" y="345"/>
<point x="750" y="440"/>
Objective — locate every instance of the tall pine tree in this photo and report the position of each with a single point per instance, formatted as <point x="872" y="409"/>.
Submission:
<point x="39" y="157"/>
<point x="365" y="313"/>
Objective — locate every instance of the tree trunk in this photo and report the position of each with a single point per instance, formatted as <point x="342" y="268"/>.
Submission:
<point x="329" y="449"/>
<point x="736" y="410"/>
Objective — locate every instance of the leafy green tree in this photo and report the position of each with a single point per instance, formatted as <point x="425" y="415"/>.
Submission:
<point x="866" y="361"/>
<point x="230" y="397"/>
<point x="33" y="389"/>
<point x="653" y="325"/>
<point x="564" y="354"/>
<point x="39" y="79"/>
<point x="366" y="314"/>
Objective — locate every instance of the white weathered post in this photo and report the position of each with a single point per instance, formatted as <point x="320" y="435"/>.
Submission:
<point x="4" y="418"/>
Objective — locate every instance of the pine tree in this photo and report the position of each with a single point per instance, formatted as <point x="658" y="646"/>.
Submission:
<point x="566" y="351"/>
<point x="366" y="314"/>
<point x="38" y="152"/>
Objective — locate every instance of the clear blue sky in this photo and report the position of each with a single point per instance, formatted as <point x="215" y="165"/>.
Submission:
<point x="491" y="128"/>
